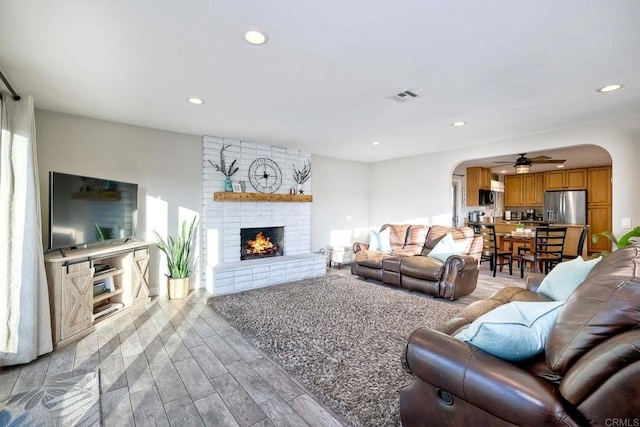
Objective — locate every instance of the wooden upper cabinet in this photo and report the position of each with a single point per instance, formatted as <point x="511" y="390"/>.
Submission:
<point x="572" y="179"/>
<point x="576" y="179"/>
<point x="477" y="179"/>
<point x="485" y="179"/>
<point x="599" y="186"/>
<point x="533" y="189"/>
<point x="554" y="180"/>
<point x="513" y="190"/>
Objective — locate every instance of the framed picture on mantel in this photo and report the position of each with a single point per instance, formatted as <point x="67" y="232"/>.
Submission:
<point x="237" y="188"/>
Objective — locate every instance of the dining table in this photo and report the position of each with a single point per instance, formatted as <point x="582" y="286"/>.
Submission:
<point x="509" y="241"/>
<point x="506" y="241"/>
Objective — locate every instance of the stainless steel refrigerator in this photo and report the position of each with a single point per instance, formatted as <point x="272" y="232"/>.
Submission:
<point x="565" y="207"/>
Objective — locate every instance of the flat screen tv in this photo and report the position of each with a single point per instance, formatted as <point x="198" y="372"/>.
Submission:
<point x="85" y="210"/>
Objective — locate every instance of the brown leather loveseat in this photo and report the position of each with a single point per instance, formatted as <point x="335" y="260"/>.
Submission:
<point x="408" y="266"/>
<point x="589" y="373"/>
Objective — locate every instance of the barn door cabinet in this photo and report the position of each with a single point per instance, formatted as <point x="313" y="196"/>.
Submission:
<point x="88" y="286"/>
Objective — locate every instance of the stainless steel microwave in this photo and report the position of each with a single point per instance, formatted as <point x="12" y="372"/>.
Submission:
<point x="486" y="197"/>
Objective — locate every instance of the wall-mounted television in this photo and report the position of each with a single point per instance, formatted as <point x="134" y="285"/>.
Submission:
<point x="85" y="210"/>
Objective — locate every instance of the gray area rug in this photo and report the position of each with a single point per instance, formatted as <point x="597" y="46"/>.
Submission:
<point x="340" y="337"/>
<point x="69" y="402"/>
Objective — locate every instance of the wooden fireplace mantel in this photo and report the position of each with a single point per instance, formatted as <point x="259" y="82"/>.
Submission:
<point x="228" y="196"/>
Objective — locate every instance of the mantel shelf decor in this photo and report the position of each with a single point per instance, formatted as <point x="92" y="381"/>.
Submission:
<point x="222" y="167"/>
<point x="261" y="197"/>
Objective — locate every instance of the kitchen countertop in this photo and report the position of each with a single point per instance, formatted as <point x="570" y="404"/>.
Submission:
<point x="533" y="222"/>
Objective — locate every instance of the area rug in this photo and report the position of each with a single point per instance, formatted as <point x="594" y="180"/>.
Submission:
<point x="70" y="402"/>
<point x="340" y="337"/>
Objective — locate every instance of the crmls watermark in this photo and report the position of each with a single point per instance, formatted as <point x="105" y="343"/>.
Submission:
<point x="622" y="422"/>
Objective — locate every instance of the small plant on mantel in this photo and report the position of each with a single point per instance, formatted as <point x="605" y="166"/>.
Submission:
<point x="625" y="241"/>
<point x="301" y="176"/>
<point x="227" y="172"/>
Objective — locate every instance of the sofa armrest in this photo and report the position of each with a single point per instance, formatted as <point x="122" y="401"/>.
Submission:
<point x="459" y="277"/>
<point x="359" y="246"/>
<point x="487" y="382"/>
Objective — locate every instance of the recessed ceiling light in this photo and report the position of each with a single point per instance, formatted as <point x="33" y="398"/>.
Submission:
<point x="456" y="124"/>
<point x="255" y="37"/>
<point x="610" y="88"/>
<point x="195" y="101"/>
<point x="560" y="166"/>
<point x="503" y="171"/>
<point x="375" y="143"/>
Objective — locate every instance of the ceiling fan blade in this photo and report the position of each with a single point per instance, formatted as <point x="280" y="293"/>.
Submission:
<point x="548" y="161"/>
<point x="539" y="158"/>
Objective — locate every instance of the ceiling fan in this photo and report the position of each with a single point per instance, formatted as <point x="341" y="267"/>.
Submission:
<point x="523" y="163"/>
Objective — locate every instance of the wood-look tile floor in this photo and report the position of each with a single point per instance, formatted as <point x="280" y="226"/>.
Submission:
<point x="176" y="363"/>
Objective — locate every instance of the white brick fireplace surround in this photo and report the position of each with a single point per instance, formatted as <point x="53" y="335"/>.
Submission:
<point x="222" y="221"/>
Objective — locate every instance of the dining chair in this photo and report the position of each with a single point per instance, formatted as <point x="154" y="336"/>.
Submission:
<point x="547" y="249"/>
<point x="492" y="252"/>
<point x="581" y="240"/>
<point x="525" y="249"/>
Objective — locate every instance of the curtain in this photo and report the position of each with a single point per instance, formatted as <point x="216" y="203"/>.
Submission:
<point x="25" y="324"/>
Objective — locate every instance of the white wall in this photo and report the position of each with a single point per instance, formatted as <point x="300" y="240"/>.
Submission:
<point x="419" y="187"/>
<point x="340" y="201"/>
<point x="166" y="166"/>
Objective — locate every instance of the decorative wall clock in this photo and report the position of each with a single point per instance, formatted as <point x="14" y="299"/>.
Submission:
<point x="265" y="175"/>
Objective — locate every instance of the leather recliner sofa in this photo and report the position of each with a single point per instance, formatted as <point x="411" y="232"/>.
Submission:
<point x="588" y="375"/>
<point x="404" y="240"/>
<point x="409" y="267"/>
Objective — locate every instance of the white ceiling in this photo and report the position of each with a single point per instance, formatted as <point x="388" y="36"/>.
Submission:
<point x="322" y="82"/>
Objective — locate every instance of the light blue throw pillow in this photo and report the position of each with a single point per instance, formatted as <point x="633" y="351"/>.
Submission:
<point x="447" y="247"/>
<point x="379" y="241"/>
<point x="514" y="331"/>
<point x="565" y="278"/>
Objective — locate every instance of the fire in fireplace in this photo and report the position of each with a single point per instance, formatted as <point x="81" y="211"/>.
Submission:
<point x="261" y="242"/>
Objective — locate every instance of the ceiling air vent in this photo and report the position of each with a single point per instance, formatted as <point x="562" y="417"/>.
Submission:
<point x="405" y="96"/>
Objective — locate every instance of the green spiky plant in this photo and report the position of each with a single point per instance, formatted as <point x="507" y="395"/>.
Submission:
<point x="625" y="241"/>
<point x="178" y="251"/>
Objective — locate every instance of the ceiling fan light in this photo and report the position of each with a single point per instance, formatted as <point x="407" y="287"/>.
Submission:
<point x="522" y="168"/>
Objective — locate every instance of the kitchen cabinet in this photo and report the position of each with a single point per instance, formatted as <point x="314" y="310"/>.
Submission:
<point x="533" y="188"/>
<point x="599" y="206"/>
<point x="599" y="218"/>
<point x="477" y="179"/>
<point x="599" y="186"/>
<point x="571" y="179"/>
<point x="513" y="194"/>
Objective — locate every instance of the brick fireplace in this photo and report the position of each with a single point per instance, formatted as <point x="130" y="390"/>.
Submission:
<point x="225" y="270"/>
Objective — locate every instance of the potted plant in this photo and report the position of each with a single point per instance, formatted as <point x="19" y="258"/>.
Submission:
<point x="227" y="172"/>
<point x="178" y="252"/>
<point x="301" y="176"/>
<point x="625" y="241"/>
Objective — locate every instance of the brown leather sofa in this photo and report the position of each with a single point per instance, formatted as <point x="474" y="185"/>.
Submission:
<point x="589" y="373"/>
<point x="409" y="267"/>
<point x="404" y="239"/>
